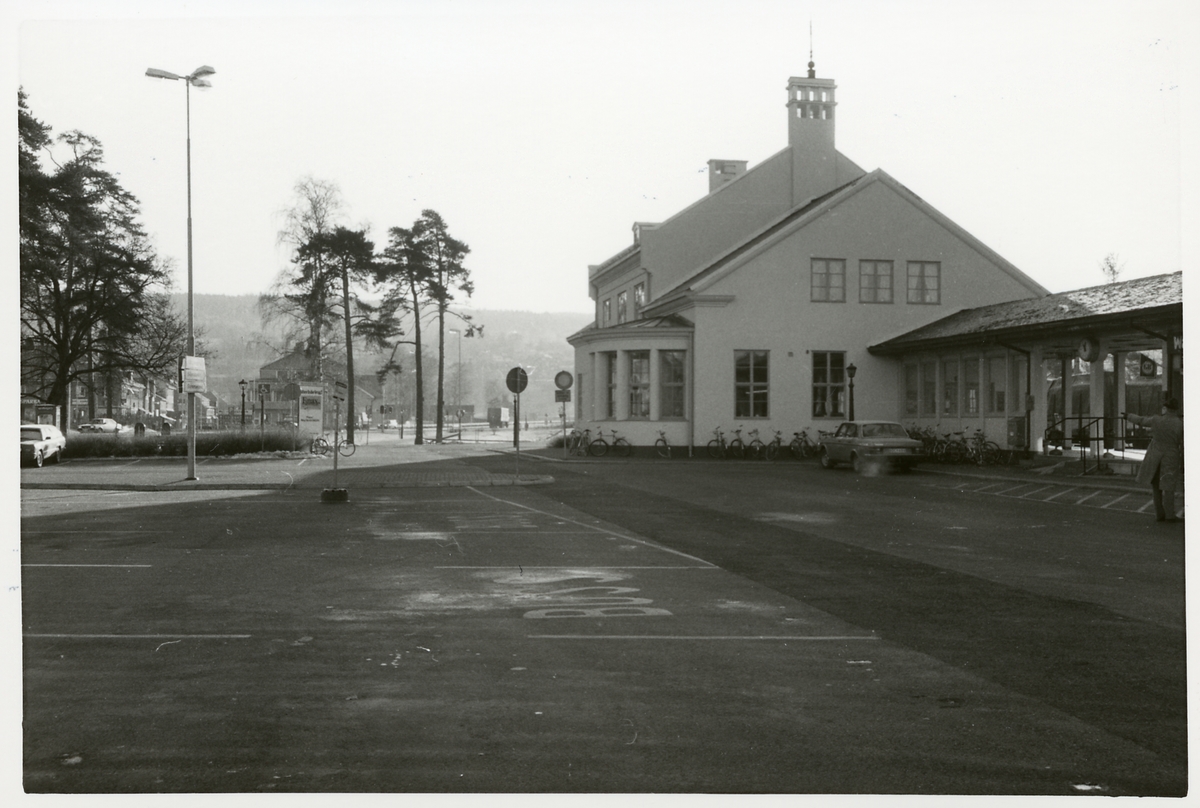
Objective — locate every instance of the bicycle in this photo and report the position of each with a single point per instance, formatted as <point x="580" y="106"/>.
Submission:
<point x="719" y="449"/>
<point x="756" y="449"/>
<point x="581" y="444"/>
<point x="775" y="446"/>
<point x="319" y="446"/>
<point x="983" y="451"/>
<point x="620" y="446"/>
<point x="662" y="446"/>
<point x="802" y="445"/>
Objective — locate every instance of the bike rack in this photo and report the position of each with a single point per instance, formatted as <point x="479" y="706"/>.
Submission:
<point x="1089" y="435"/>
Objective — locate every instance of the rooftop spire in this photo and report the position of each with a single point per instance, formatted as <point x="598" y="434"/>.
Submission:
<point x="812" y="73"/>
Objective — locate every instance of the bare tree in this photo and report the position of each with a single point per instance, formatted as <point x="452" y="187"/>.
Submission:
<point x="1111" y="267"/>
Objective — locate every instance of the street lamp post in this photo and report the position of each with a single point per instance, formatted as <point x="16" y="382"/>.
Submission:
<point x="242" y="384"/>
<point x="458" y="374"/>
<point x="850" y="371"/>
<point x="197" y="78"/>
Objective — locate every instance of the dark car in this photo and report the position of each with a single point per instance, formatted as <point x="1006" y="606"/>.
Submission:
<point x="870" y="444"/>
<point x="41" y="443"/>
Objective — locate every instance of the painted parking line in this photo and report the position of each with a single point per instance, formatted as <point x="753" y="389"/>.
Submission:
<point x="575" y="566"/>
<point x="1053" y="497"/>
<point x="1115" y="501"/>
<point x="138" y="636"/>
<point x="785" y="638"/>
<point x="147" y="566"/>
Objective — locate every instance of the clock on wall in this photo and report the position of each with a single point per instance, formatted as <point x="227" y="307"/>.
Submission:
<point x="1088" y="349"/>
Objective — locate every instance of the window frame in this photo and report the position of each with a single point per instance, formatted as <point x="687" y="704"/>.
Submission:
<point x="825" y="268"/>
<point x="639" y="299"/>
<point x="757" y="391"/>
<point x="639" y="386"/>
<point x="671" y="390"/>
<point x="835" y="405"/>
<point x="606" y="308"/>
<point x="918" y="293"/>
<point x="863" y="275"/>
<point x="622" y="306"/>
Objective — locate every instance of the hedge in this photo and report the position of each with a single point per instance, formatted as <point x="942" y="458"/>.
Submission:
<point x="208" y="444"/>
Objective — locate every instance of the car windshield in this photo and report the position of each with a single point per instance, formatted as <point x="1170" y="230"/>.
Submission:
<point x="883" y="431"/>
<point x="31" y="434"/>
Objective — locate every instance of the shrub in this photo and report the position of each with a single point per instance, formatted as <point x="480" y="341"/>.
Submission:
<point x="208" y="444"/>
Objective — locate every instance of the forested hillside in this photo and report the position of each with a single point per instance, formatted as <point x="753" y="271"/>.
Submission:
<point x="232" y="329"/>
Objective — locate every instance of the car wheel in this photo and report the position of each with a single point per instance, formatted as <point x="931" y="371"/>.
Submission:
<point x="826" y="460"/>
<point x="38" y="459"/>
<point x="857" y="463"/>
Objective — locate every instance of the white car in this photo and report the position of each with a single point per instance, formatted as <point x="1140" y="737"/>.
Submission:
<point x="41" y="443"/>
<point x="100" y="425"/>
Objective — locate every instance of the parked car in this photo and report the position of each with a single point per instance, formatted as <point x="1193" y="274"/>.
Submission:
<point x="41" y="443"/>
<point x="392" y="424"/>
<point x="865" y="444"/>
<point x="100" y="425"/>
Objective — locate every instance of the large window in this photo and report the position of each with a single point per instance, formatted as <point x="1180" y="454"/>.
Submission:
<point x="639" y="384"/>
<point x="929" y="388"/>
<point x="671" y="375"/>
<point x="829" y="384"/>
<point x="971" y="385"/>
<point x="610" y="403"/>
<point x="925" y="282"/>
<point x="750" y="384"/>
<point x="997" y="385"/>
<point x="622" y="297"/>
<point x="912" y="390"/>
<point x="607" y="312"/>
<point x="874" y="281"/>
<point x="829" y="280"/>
<point x="950" y="387"/>
<point x="639" y="299"/>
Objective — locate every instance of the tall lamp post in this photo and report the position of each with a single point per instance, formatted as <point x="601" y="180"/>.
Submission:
<point x="242" y="384"/>
<point x="197" y="78"/>
<point x="850" y="371"/>
<point x="458" y="373"/>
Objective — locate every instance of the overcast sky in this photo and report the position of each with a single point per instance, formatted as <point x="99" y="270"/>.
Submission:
<point x="542" y="130"/>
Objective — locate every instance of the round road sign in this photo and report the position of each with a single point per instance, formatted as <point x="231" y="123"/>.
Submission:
<point x="563" y="380"/>
<point x="517" y="380"/>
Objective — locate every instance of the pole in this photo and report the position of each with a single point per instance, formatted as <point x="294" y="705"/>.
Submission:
<point x="564" y="429"/>
<point x="191" y="342"/>
<point x="262" y="420"/>
<point x="337" y="419"/>
<point x="243" y="409"/>
<point x="517" y="430"/>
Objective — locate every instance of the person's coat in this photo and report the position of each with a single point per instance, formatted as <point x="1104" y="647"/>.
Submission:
<point x="1165" y="454"/>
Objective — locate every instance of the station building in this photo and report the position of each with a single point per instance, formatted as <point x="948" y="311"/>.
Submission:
<point x="806" y="284"/>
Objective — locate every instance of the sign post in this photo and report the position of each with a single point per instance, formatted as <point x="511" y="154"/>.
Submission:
<point x="563" y="381"/>
<point x="336" y="494"/>
<point x="517" y="380"/>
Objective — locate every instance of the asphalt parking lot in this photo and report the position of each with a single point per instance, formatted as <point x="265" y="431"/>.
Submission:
<point x="583" y="636"/>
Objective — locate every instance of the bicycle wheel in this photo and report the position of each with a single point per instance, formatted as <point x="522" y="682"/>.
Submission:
<point x="598" y="447"/>
<point x="772" y="450"/>
<point x="956" y="453"/>
<point x="319" y="446"/>
<point x="797" y="449"/>
<point x="662" y="448"/>
<point x="716" y="449"/>
<point x="757" y="450"/>
<point x="992" y="455"/>
<point x="622" y="447"/>
<point x="737" y="449"/>
<point x="346" y="448"/>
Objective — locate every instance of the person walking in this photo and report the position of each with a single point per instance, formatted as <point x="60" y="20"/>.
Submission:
<point x="1163" y="465"/>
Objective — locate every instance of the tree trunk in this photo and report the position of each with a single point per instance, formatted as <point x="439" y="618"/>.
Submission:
<point x="441" y="376"/>
<point x="419" y="437"/>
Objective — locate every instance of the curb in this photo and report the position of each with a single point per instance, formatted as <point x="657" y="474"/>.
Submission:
<point x="171" y="487"/>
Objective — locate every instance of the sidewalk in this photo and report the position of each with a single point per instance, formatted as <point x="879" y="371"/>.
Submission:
<point x="385" y="466"/>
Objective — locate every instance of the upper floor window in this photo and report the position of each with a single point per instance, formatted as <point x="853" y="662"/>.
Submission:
<point x="925" y="282"/>
<point x="829" y="280"/>
<point x="750" y="384"/>
<point x="610" y="401"/>
<point x="874" y="281"/>
<point x="607" y="312"/>
<point x="621" y="306"/>
<point x="639" y="299"/>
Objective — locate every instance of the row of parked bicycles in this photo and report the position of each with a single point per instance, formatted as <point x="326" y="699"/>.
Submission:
<point x="955" y="447"/>
<point x="950" y="447"/>
<point x="580" y="443"/>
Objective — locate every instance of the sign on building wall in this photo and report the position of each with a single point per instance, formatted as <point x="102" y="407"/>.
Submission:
<point x="311" y="398"/>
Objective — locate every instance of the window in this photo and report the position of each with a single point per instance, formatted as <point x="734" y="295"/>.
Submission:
<point x="911" y="390"/>
<point x="829" y="383"/>
<point x="828" y="280"/>
<point x="639" y="384"/>
<point x="671" y="380"/>
<point x="929" y="388"/>
<point x="950" y="387"/>
<point x="610" y="402"/>
<point x="750" y="384"/>
<point x="925" y="282"/>
<point x="639" y="299"/>
<point x="874" y="281"/>
<point x="997" y="384"/>
<point x="607" y="312"/>
<point x="621" y="298"/>
<point x="971" y="386"/>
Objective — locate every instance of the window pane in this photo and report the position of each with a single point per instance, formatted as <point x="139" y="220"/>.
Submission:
<point x="950" y="387"/>
<point x="929" y="388"/>
<point x="910" y="390"/>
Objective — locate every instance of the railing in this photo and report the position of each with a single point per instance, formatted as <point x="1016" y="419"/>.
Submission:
<point x="1097" y="439"/>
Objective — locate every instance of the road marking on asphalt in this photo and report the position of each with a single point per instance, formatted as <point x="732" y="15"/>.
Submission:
<point x="809" y="638"/>
<point x="1006" y="490"/>
<point x="138" y="636"/>
<point x="88" y="565"/>
<point x="1059" y="494"/>
<point x="1115" y="501"/>
<point x="575" y="566"/>
<point x="600" y="530"/>
<point x="1085" y="499"/>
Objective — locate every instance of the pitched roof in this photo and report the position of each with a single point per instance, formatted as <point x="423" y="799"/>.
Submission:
<point x="667" y="321"/>
<point x="1063" y="309"/>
